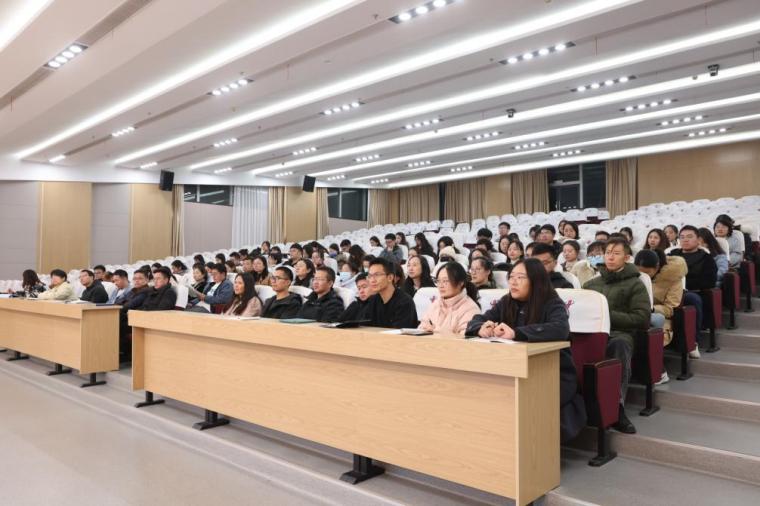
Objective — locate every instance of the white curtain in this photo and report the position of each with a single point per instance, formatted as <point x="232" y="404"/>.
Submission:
<point x="250" y="216"/>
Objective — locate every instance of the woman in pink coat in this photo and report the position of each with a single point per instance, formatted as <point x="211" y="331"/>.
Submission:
<point x="456" y="304"/>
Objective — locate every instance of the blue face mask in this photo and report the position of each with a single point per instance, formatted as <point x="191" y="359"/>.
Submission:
<point x="344" y="276"/>
<point x="595" y="260"/>
<point x="333" y="254"/>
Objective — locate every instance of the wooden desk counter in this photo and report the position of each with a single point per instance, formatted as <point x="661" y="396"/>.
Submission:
<point x="481" y="414"/>
<point x="81" y="336"/>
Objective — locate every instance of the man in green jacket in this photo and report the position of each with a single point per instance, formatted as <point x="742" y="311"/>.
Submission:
<point x="630" y="311"/>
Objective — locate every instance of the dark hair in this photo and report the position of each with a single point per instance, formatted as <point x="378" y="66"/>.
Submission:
<point x="141" y="273"/>
<point x="320" y="252"/>
<point x="618" y="235"/>
<point x="297" y="246"/>
<point x="390" y="236"/>
<point x="210" y="265"/>
<point x="574" y="244"/>
<point x="501" y="240"/>
<point x="334" y="246"/>
<point x="423" y="245"/>
<point x="29" y="278"/>
<point x="628" y="230"/>
<point x="614" y="241"/>
<point x="177" y="264"/>
<point x="458" y="277"/>
<point x="574" y="226"/>
<point x="288" y="272"/>
<point x="230" y="265"/>
<point x="402" y="240"/>
<point x="275" y="249"/>
<point x="485" y="242"/>
<point x="202" y="269"/>
<point x="121" y="273"/>
<point x="663" y="239"/>
<point x="548" y="227"/>
<point x="425" y="278"/>
<point x="362" y="276"/>
<point x="447" y="241"/>
<point x="243" y="252"/>
<point x="89" y="272"/>
<point x="249" y="292"/>
<point x="535" y="229"/>
<point x="650" y="258"/>
<point x="387" y="266"/>
<point x="595" y="245"/>
<point x="198" y="259"/>
<point x="484" y="232"/>
<point x="258" y="277"/>
<point x="234" y="254"/>
<point x="506" y="224"/>
<point x="710" y="241"/>
<point x="541" y="291"/>
<point x="398" y="273"/>
<point x="328" y="271"/>
<point x="220" y="267"/>
<point x="309" y="268"/>
<point x="603" y="232"/>
<point x="691" y="228"/>
<point x="541" y="248"/>
<point x="269" y="244"/>
<point x="99" y="268"/>
<point x="220" y="258"/>
<point x="355" y="254"/>
<point x="345" y="242"/>
<point x="147" y="271"/>
<point x="514" y="236"/>
<point x="308" y="249"/>
<point x="59" y="273"/>
<point x="487" y="265"/>
<point x="519" y="245"/>
<point x="471" y="256"/>
<point x="277" y="256"/>
<point x="726" y="220"/>
<point x="374" y="240"/>
<point x="164" y="271"/>
<point x="675" y="229"/>
<point x="530" y="247"/>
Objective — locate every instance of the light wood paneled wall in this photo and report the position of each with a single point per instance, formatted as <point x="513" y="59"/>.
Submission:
<point x="730" y="170"/>
<point x="300" y="215"/>
<point x="498" y="195"/>
<point x="65" y="225"/>
<point x="150" y="222"/>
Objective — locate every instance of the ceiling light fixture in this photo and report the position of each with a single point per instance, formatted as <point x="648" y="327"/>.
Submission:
<point x="544" y="51"/>
<point x="462" y="169"/>
<point x="57" y="158"/>
<point x="222" y="171"/>
<point x="711" y="131"/>
<point x="480" y="137"/>
<point x="419" y="164"/>
<point x="607" y="155"/>
<point x="66" y="56"/>
<point x="376" y="181"/>
<point x="225" y="142"/>
<point x="284" y="174"/>
<point x="649" y="105"/>
<point x="529" y="145"/>
<point x="304" y="151"/>
<point x="420" y="10"/>
<point x="123" y="131"/>
<point x="148" y="165"/>
<point x="334" y="178"/>
<point x="229" y="88"/>
<point x="342" y="108"/>
<point x="676" y="121"/>
<point x="567" y="153"/>
<point x="422" y="124"/>
<point x="608" y="83"/>
<point x="366" y="158"/>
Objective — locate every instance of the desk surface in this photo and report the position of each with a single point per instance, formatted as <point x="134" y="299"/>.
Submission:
<point x="52" y="307"/>
<point x="445" y="351"/>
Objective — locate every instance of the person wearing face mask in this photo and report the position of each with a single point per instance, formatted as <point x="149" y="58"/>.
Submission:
<point x="584" y="270"/>
<point x="355" y="310"/>
<point x="456" y="305"/>
<point x="347" y="275"/>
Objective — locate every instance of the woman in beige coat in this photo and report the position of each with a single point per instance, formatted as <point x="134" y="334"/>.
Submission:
<point x="668" y="274"/>
<point x="455" y="307"/>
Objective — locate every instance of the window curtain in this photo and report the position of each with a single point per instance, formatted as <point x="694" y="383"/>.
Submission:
<point x="178" y="222"/>
<point x="465" y="200"/>
<point x="621" y="185"/>
<point x="323" y="217"/>
<point x="250" y="216"/>
<point x="276" y="214"/>
<point x="379" y="207"/>
<point x="530" y="192"/>
<point x="419" y="203"/>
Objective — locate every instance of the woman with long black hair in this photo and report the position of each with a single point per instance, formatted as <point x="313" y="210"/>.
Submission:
<point x="246" y="301"/>
<point x="457" y="304"/>
<point x="533" y="312"/>
<point x="417" y="275"/>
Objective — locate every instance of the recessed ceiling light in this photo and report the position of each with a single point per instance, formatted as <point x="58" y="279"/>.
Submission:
<point x="366" y="158"/>
<point x="123" y="131"/>
<point x="66" y="55"/>
<point x="342" y="108"/>
<point x="148" y="165"/>
<point x="225" y="142"/>
<point x="529" y="55"/>
<point x="57" y="158"/>
<point x="222" y="171"/>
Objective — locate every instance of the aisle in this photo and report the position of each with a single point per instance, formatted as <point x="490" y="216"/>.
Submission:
<point x="54" y="451"/>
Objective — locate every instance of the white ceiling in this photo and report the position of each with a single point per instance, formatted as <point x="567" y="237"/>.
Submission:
<point x="155" y="69"/>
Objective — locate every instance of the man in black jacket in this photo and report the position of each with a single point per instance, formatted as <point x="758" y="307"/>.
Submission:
<point x="93" y="289"/>
<point x="162" y="297"/>
<point x="355" y="310"/>
<point x="389" y="306"/>
<point x="703" y="271"/>
<point x="284" y="304"/>
<point x="547" y="255"/>
<point x="133" y="300"/>
<point x="323" y="304"/>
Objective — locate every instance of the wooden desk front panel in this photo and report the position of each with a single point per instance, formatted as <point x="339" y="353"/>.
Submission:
<point x="53" y="338"/>
<point x="457" y="425"/>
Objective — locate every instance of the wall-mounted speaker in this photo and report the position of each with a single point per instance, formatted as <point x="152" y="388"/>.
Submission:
<point x="308" y="183"/>
<point x="167" y="180"/>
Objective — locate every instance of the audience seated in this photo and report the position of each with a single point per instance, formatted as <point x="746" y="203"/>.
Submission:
<point x="178" y="268"/>
<point x="586" y="269"/>
<point x="60" y="288"/>
<point x="601" y="236"/>
<point x="569" y="230"/>
<point x="99" y="272"/>
<point x="504" y="229"/>
<point x="481" y="273"/>
<point x="671" y="232"/>
<point x="295" y="254"/>
<point x="218" y="292"/>
<point x="417" y="276"/>
<point x="133" y="300"/>
<point x="533" y="312"/>
<point x="703" y="271"/>
<point x="570" y="251"/>
<point x="546" y="236"/>
<point x="162" y="296"/>
<point x="260" y="271"/>
<point x="724" y="227"/>
<point x="323" y="304"/>
<point x="388" y="306"/>
<point x="657" y="239"/>
<point x="515" y="252"/>
<point x="630" y="311"/>
<point x="304" y="269"/>
<point x="547" y="255"/>
<point x="93" y="288"/>
<point x="245" y="301"/>
<point x="355" y="310"/>
<point x="484" y="233"/>
<point x="200" y="277"/>
<point x="456" y="305"/>
<point x="707" y="241"/>
<point x="121" y="280"/>
<point x="392" y="251"/>
<point x="31" y="286"/>
<point x="274" y="259"/>
<point x="283" y="304"/>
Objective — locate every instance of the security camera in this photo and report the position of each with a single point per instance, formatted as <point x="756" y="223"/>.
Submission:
<point x="714" y="68"/>
<point x="511" y="113"/>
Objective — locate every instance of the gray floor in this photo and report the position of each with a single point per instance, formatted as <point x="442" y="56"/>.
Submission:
<point x="54" y="451"/>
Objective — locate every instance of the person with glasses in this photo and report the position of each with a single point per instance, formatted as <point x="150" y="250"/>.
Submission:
<point x="322" y="304"/>
<point x="546" y="254"/>
<point x="388" y="306"/>
<point x="630" y="311"/>
<point x="533" y="312"/>
<point x="457" y="305"/>
<point x="481" y="273"/>
<point x="283" y="304"/>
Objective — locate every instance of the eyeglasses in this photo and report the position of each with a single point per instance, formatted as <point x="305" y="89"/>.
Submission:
<point x="443" y="282"/>
<point x="321" y="280"/>
<point x="279" y="278"/>
<point x="518" y="277"/>
<point x="377" y="275"/>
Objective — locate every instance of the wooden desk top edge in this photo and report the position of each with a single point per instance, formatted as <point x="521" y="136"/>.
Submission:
<point x="52" y="307"/>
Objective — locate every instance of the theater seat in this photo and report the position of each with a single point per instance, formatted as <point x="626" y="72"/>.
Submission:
<point x="748" y="282"/>
<point x="685" y="331"/>
<point x="424" y="297"/>
<point x="712" y="314"/>
<point x="599" y="378"/>
<point x="731" y="287"/>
